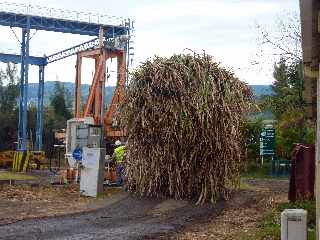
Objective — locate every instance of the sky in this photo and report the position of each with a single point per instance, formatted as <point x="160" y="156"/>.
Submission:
<point x="225" y="29"/>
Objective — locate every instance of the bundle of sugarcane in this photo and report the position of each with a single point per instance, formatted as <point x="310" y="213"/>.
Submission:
<point x="183" y="117"/>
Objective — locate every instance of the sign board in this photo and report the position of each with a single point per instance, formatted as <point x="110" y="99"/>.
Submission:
<point x="91" y="157"/>
<point x="77" y="154"/>
<point x="267" y="142"/>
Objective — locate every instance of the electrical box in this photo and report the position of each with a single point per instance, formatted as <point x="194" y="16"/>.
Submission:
<point x="81" y="133"/>
<point x="92" y="169"/>
<point x="294" y="224"/>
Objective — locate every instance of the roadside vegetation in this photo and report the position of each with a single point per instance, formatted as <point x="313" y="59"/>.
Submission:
<point x="289" y="110"/>
<point x="269" y="228"/>
<point x="255" y="171"/>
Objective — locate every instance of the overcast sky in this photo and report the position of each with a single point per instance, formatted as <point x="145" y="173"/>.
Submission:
<point x="224" y="29"/>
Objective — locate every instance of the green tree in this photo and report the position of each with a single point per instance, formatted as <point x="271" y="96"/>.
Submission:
<point x="9" y="91"/>
<point x="58" y="102"/>
<point x="252" y="130"/>
<point x="281" y="43"/>
<point x="9" y="88"/>
<point x="287" y="89"/>
<point x="288" y="106"/>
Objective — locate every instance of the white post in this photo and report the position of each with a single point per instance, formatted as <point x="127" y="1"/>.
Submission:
<point x="294" y="224"/>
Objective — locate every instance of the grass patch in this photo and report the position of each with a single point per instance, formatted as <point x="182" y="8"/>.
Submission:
<point x="254" y="171"/>
<point x="4" y="175"/>
<point x="269" y="226"/>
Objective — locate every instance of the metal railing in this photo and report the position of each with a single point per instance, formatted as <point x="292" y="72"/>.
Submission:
<point x="73" y="50"/>
<point x="88" y="17"/>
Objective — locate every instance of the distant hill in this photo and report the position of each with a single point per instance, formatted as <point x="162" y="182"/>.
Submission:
<point x="69" y="88"/>
<point x="261" y="90"/>
<point x="258" y="90"/>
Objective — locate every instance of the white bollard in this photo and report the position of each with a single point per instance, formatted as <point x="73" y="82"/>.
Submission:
<point x="294" y="224"/>
<point x="91" y="179"/>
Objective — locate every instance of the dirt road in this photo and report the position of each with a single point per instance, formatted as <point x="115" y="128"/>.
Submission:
<point x="241" y="215"/>
<point x="129" y="217"/>
<point x="125" y="218"/>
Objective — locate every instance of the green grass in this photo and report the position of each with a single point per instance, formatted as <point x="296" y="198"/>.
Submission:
<point x="256" y="172"/>
<point x="4" y="175"/>
<point x="269" y="226"/>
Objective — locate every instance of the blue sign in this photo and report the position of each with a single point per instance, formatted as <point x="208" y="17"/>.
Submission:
<point x="77" y="154"/>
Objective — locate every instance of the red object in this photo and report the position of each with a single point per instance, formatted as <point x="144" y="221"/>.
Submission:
<point x="93" y="105"/>
<point x="302" y="178"/>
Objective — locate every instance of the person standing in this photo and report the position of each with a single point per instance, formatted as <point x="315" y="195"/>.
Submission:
<point x="119" y="154"/>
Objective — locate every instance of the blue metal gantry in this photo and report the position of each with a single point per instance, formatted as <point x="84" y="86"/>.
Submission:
<point x="28" y="17"/>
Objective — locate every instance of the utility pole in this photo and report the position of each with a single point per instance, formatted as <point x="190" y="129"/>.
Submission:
<point x="317" y="175"/>
<point x="310" y="33"/>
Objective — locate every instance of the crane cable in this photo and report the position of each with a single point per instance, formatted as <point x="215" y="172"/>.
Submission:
<point x="14" y="33"/>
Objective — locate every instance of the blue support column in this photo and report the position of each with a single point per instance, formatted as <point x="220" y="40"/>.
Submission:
<point x="39" y="131"/>
<point x="20" y="134"/>
<point x="23" y="104"/>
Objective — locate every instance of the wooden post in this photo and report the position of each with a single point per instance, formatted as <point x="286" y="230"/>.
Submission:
<point x="103" y="85"/>
<point x="318" y="161"/>
<point x="97" y="95"/>
<point x="93" y="92"/>
<point x="101" y="37"/>
<point x="121" y="69"/>
<point x="77" y="94"/>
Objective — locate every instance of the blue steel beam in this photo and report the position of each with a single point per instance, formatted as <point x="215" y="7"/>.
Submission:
<point x="91" y="44"/>
<point x="27" y="22"/>
<point x="41" y="62"/>
<point x="20" y="124"/>
<point x="60" y="25"/>
<point x="13" y="58"/>
<point x="23" y="113"/>
<point x="73" y="50"/>
<point x="39" y="130"/>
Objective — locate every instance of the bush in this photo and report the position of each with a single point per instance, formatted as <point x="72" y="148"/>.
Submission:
<point x="252" y="130"/>
<point x="292" y="129"/>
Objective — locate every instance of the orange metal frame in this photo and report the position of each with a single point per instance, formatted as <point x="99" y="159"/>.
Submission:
<point x="94" y="106"/>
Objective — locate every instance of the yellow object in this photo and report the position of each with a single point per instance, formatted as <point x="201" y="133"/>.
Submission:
<point x="6" y="158"/>
<point x="24" y="160"/>
<point x="17" y="160"/>
<point x="119" y="152"/>
<point x="37" y="159"/>
<point x="21" y="161"/>
<point x="7" y="175"/>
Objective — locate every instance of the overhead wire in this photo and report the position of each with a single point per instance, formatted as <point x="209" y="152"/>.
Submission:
<point x="17" y="38"/>
<point x="33" y="34"/>
<point x="14" y="33"/>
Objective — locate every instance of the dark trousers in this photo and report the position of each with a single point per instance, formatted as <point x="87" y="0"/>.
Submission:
<point x="121" y="173"/>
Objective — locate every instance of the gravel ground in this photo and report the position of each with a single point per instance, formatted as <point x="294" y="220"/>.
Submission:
<point x="240" y="215"/>
<point x="127" y="218"/>
<point x="124" y="216"/>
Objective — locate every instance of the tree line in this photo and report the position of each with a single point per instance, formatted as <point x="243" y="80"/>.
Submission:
<point x="283" y="46"/>
<point x="56" y="113"/>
